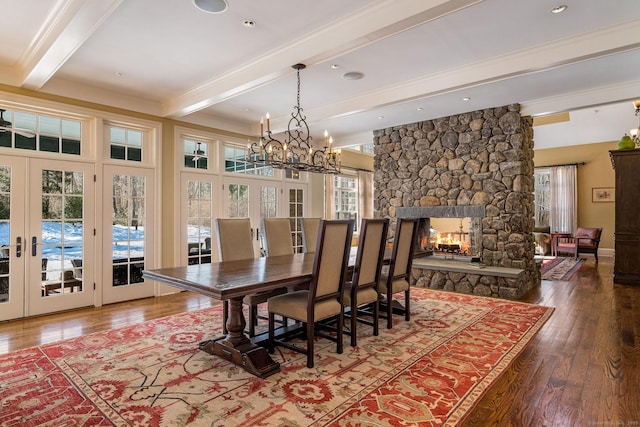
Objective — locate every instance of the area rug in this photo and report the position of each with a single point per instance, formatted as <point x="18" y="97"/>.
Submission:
<point x="430" y="371"/>
<point x="560" y="268"/>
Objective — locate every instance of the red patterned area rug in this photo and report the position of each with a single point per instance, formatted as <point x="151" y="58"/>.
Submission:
<point x="560" y="268"/>
<point x="430" y="371"/>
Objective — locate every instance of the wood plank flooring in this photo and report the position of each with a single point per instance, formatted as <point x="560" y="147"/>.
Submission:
<point x="581" y="369"/>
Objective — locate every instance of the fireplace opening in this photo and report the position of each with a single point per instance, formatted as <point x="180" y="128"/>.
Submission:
<point x="449" y="238"/>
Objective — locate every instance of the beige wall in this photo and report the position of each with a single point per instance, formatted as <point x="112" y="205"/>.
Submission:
<point x="597" y="172"/>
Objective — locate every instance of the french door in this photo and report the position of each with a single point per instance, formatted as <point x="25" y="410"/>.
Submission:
<point x="47" y="235"/>
<point x="128" y="227"/>
<point x="253" y="199"/>
<point x="197" y="210"/>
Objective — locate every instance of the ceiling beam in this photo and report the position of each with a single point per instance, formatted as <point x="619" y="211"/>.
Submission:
<point x="378" y="20"/>
<point x="68" y="26"/>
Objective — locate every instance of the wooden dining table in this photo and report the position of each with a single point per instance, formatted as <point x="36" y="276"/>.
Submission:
<point x="232" y="281"/>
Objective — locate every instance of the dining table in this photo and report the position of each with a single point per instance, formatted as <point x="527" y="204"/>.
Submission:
<point x="232" y="281"/>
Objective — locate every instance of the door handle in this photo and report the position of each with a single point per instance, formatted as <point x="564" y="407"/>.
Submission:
<point x="34" y="246"/>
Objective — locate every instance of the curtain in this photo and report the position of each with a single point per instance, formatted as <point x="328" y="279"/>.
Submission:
<point x="563" y="217"/>
<point x="365" y="194"/>
<point x="329" y="208"/>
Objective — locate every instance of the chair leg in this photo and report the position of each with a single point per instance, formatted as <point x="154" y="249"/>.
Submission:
<point x="389" y="309"/>
<point x="354" y="314"/>
<point x="376" y="317"/>
<point x="340" y="333"/>
<point x="407" y="311"/>
<point x="595" y="254"/>
<point x="225" y="316"/>
<point x="272" y="324"/>
<point x="253" y="319"/>
<point x="310" y="336"/>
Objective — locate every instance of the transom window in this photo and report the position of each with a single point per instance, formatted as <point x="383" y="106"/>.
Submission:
<point x="125" y="144"/>
<point x="196" y="154"/>
<point x="35" y="132"/>
<point x="235" y="161"/>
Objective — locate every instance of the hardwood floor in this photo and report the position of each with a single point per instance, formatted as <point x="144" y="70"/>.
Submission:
<point x="581" y="369"/>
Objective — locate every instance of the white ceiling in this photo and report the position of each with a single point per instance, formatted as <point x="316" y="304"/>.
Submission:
<point x="420" y="58"/>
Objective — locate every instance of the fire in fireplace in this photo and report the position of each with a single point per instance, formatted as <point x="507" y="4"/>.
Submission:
<point x="444" y="236"/>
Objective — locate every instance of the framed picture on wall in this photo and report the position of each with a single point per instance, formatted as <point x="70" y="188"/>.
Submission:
<point x="603" y="195"/>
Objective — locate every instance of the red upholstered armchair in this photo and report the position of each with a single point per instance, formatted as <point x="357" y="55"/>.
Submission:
<point x="585" y="240"/>
<point x="588" y="240"/>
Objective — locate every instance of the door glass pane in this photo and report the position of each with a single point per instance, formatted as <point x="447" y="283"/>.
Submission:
<point x="238" y="200"/>
<point x="128" y="226"/>
<point x="62" y="232"/>
<point x="5" y="209"/>
<point x="199" y="208"/>
<point x="295" y="214"/>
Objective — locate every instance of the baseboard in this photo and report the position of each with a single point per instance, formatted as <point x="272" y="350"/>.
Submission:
<point x="606" y="252"/>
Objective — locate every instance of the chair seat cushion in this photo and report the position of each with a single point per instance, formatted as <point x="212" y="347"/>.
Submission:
<point x="587" y="244"/>
<point x="294" y="305"/>
<point x="365" y="295"/>
<point x="398" y="285"/>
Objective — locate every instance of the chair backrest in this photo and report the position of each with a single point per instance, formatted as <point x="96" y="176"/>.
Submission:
<point x="373" y="239"/>
<point x="330" y="260"/>
<point x="403" y="245"/>
<point x="310" y="229"/>
<point x="588" y="233"/>
<point x="276" y="234"/>
<point x="234" y="239"/>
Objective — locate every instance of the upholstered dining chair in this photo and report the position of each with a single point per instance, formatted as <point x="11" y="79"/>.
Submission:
<point x="323" y="299"/>
<point x="309" y="228"/>
<point x="276" y="235"/>
<point x="362" y="289"/>
<point x="235" y="243"/>
<point x="397" y="278"/>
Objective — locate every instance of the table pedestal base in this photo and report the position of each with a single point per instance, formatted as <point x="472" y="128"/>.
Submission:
<point x="251" y="357"/>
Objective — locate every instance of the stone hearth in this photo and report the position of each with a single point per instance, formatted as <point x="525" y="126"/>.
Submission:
<point x="477" y="164"/>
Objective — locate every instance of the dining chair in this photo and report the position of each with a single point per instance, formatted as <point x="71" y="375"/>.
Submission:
<point x="309" y="228"/>
<point x="397" y="278"/>
<point x="276" y="235"/>
<point x="323" y="298"/>
<point x="235" y="243"/>
<point x="362" y="289"/>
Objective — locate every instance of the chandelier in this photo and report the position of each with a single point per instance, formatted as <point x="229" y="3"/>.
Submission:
<point x="295" y="151"/>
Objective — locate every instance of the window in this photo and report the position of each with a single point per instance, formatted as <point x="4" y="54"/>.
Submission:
<point x="125" y="144"/>
<point x="542" y="197"/>
<point x="196" y="154"/>
<point x="235" y="161"/>
<point x="30" y="131"/>
<point x="296" y="212"/>
<point x="345" y="199"/>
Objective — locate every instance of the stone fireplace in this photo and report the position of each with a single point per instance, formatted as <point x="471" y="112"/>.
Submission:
<point x="476" y="165"/>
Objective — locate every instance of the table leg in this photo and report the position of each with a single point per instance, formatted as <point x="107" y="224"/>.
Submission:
<point x="236" y="347"/>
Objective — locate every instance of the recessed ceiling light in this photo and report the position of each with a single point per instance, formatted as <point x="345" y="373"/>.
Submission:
<point x="211" y="6"/>
<point x="118" y="73"/>
<point x="334" y="66"/>
<point x="419" y="108"/>
<point x="466" y="99"/>
<point x="353" y="75"/>
<point x="380" y="117"/>
<point x="249" y="23"/>
<point x="559" y="9"/>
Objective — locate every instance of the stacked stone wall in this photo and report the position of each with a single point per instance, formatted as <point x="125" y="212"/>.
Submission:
<point x="480" y="158"/>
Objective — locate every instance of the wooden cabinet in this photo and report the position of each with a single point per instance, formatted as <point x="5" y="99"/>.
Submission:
<point x="626" y="164"/>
